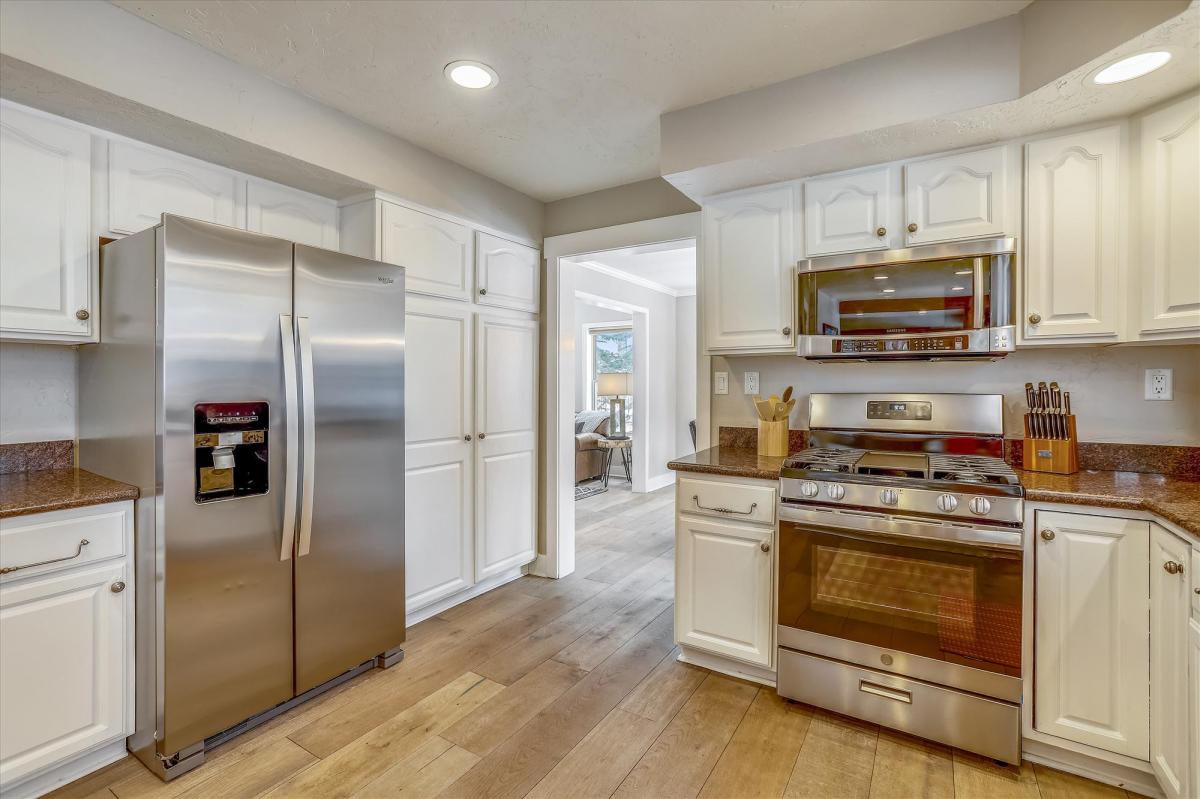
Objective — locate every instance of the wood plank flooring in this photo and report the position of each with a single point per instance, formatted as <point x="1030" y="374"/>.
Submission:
<point x="570" y="688"/>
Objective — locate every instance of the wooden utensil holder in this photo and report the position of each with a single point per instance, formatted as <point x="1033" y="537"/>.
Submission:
<point x="1054" y="455"/>
<point x="773" y="438"/>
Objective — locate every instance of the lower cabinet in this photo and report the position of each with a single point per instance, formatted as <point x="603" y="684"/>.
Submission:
<point x="1169" y="628"/>
<point x="1194" y="688"/>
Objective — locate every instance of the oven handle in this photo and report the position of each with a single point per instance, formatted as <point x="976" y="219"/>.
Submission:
<point x="895" y="694"/>
<point x="866" y="526"/>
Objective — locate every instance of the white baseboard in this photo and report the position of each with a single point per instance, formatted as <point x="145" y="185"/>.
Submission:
<point x="1091" y="767"/>
<point x="723" y="665"/>
<point x="660" y="481"/>
<point x="59" y="776"/>
<point x="481" y="587"/>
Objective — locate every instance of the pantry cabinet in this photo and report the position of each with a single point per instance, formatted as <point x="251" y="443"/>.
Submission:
<point x="957" y="196"/>
<point x="507" y="274"/>
<point x="1091" y="639"/>
<point x="750" y="253"/>
<point x="1170" y="603"/>
<point x="146" y="182"/>
<point x="852" y="211"/>
<point x="291" y="214"/>
<point x="437" y="254"/>
<point x="47" y="283"/>
<point x="1073" y="234"/>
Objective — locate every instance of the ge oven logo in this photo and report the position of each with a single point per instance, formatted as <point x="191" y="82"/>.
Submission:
<point x="385" y="280"/>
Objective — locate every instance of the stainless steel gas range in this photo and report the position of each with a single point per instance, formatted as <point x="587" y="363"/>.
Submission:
<point x="900" y="549"/>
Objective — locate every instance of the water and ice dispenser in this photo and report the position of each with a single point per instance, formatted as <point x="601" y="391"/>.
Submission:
<point x="231" y="449"/>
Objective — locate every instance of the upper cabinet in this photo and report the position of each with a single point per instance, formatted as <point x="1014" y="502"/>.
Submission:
<point x="46" y="268"/>
<point x="1072" y="237"/>
<point x="507" y="274"/>
<point x="1170" y="236"/>
<point x="852" y="211"/>
<point x="959" y="196"/>
<point x="291" y="214"/>
<point x="144" y="183"/>
<point x="436" y="253"/>
<point x="750" y="253"/>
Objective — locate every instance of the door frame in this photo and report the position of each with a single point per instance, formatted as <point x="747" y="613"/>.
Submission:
<point x="556" y="556"/>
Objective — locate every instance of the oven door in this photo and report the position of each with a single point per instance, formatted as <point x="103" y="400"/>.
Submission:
<point x="943" y="611"/>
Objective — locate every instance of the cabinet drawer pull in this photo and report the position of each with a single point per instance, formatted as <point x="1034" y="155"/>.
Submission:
<point x="894" y="694"/>
<point x="1173" y="568"/>
<point x="83" y="542"/>
<point x="753" y="505"/>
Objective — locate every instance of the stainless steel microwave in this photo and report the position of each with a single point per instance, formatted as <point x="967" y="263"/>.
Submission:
<point x="941" y="301"/>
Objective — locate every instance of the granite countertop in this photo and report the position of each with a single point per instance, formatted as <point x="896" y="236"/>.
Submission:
<point x="44" y="490"/>
<point x="1172" y="498"/>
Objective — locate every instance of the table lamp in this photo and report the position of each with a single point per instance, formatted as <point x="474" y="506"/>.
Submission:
<point x="615" y="385"/>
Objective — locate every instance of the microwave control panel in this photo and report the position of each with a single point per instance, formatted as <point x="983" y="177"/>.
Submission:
<point x="956" y="343"/>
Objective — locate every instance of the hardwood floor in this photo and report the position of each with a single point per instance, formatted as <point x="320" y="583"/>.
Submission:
<point x="570" y="688"/>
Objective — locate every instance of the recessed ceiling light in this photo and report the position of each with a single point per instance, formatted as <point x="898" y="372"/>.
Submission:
<point x="472" y="74"/>
<point x="889" y="291"/>
<point x="963" y="272"/>
<point x="1133" y="67"/>
<point x="922" y="312"/>
<point x="958" y="288"/>
<point x="881" y="277"/>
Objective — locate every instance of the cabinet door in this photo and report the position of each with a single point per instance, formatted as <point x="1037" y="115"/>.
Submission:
<point x="1091" y="639"/>
<point x="507" y="274"/>
<point x="723" y="588"/>
<point x="62" y="667"/>
<point x="958" y="196"/>
<point x="1170" y="206"/>
<point x="436" y="254"/>
<point x="506" y="360"/>
<point x="1169" y="611"/>
<point x="45" y="201"/>
<point x="145" y="183"/>
<point x="1194" y="688"/>
<point x="749" y="265"/>
<point x="438" y="521"/>
<point x="291" y="214"/>
<point x="1072" y="235"/>
<point x="849" y="212"/>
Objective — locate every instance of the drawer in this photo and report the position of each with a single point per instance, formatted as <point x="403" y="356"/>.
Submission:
<point x="1196" y="583"/>
<point x="736" y="501"/>
<point x="974" y="723"/>
<point x="57" y="536"/>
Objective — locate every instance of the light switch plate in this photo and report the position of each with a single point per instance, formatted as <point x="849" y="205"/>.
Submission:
<point x="750" y="383"/>
<point x="720" y="382"/>
<point x="1160" y="384"/>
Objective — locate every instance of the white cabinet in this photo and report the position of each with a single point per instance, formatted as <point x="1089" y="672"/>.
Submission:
<point x="46" y="271"/>
<point x="1194" y="698"/>
<point x="852" y="211"/>
<point x="145" y="182"/>
<point x="437" y="254"/>
<point x="66" y="662"/>
<point x="750" y="250"/>
<point x="507" y="274"/>
<point x="1091" y="641"/>
<point x="724" y="588"/>
<point x="1170" y="236"/>
<point x="439" y="519"/>
<point x="1170" y="604"/>
<point x="506" y="414"/>
<point x="1073" y="223"/>
<point x="959" y="196"/>
<point x="291" y="214"/>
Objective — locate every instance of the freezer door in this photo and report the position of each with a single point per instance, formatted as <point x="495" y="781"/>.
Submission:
<point x="350" y="552"/>
<point x="226" y="594"/>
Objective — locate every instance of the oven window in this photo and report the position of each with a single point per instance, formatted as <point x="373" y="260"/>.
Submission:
<point x="948" y="602"/>
<point x="925" y="297"/>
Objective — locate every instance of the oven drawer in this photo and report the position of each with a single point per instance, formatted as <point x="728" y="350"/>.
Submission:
<point x="970" y="722"/>
<point x="735" y="501"/>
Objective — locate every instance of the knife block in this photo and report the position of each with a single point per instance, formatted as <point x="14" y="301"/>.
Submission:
<point x="1054" y="455"/>
<point x="773" y="438"/>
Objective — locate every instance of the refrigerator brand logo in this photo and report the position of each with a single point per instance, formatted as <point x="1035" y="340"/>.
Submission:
<point x="387" y="281"/>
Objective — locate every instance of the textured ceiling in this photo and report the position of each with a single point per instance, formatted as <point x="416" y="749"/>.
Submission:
<point x="582" y="84"/>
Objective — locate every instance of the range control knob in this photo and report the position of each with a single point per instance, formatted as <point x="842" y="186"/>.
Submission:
<point x="809" y="489"/>
<point x="980" y="506"/>
<point x="835" y="491"/>
<point x="889" y="496"/>
<point x="947" y="503"/>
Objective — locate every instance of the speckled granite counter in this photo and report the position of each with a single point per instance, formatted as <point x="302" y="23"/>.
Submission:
<point x="1175" y="499"/>
<point x="57" y="489"/>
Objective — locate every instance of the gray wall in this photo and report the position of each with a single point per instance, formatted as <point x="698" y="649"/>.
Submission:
<point x="1106" y="385"/>
<point x="633" y="202"/>
<point x="685" y="372"/>
<point x="37" y="392"/>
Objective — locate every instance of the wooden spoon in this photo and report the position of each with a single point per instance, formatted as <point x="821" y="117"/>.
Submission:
<point x="787" y="393"/>
<point x="765" y="408"/>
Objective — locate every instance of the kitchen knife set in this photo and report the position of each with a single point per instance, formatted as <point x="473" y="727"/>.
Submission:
<point x="1049" y="409"/>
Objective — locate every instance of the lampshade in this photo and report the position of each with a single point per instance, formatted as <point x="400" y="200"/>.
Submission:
<point x="614" y="384"/>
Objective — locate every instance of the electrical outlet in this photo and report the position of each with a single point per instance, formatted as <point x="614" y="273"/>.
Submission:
<point x="1159" y="384"/>
<point x="750" y="383"/>
<point x="720" y="382"/>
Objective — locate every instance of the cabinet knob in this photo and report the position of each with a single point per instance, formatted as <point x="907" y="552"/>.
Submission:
<point x="117" y="587"/>
<point x="765" y="546"/>
<point x="483" y="291"/>
<point x="482" y="436"/>
<point x="912" y="227"/>
<point x="467" y="437"/>
<point x="881" y="232"/>
<point x="787" y="331"/>
<point x="1047" y="535"/>
<point x="82" y="314"/>
<point x="1173" y="568"/>
<point x="1035" y="318"/>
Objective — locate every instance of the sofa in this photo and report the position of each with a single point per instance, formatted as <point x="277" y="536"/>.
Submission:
<point x="590" y="427"/>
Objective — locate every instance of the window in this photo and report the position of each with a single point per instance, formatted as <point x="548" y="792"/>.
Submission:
<point x="610" y="349"/>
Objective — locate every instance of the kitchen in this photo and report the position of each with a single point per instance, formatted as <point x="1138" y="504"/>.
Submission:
<point x="337" y="350"/>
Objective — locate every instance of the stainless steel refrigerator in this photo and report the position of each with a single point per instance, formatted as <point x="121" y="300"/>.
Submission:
<point x="253" y="389"/>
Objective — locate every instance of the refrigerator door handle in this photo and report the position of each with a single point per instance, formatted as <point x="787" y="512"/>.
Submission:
<point x="309" y="434"/>
<point x="287" y="344"/>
